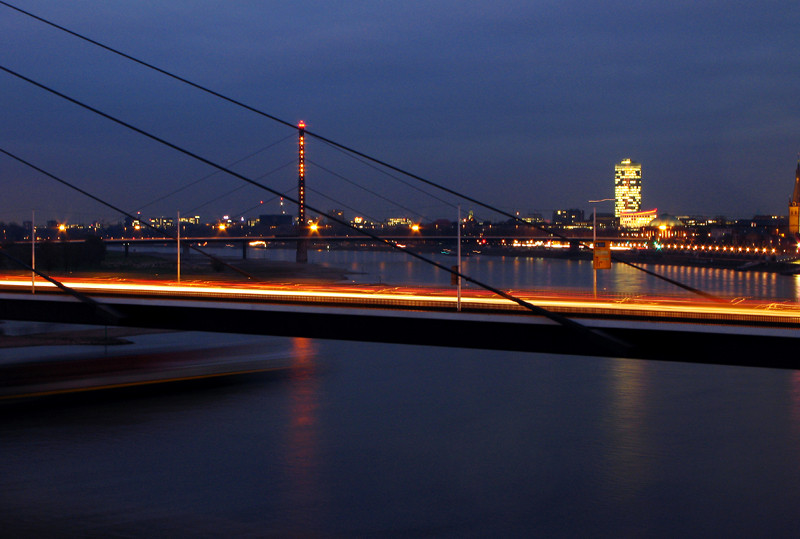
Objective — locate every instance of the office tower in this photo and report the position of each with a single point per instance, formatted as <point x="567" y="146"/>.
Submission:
<point x="627" y="187"/>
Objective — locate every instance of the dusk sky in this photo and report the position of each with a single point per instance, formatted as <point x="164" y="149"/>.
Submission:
<point x="525" y="104"/>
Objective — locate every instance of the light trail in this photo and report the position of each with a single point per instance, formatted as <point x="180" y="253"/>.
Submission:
<point x="430" y="298"/>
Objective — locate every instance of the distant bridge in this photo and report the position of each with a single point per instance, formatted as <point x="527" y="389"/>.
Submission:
<point x="246" y="242"/>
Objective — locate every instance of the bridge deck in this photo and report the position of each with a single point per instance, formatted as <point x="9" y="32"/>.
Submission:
<point x="743" y="333"/>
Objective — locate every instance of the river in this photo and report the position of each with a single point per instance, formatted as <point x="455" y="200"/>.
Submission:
<point x="372" y="440"/>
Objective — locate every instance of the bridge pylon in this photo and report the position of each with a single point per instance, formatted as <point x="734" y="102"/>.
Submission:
<point x="302" y="228"/>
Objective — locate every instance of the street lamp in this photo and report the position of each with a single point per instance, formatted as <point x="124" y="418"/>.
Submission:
<point x="594" y="217"/>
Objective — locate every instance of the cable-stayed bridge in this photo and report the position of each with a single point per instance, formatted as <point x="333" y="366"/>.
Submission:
<point x="706" y="330"/>
<point x="745" y="333"/>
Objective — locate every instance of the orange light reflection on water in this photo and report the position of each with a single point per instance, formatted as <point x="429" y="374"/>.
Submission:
<point x="629" y="453"/>
<point x="302" y="447"/>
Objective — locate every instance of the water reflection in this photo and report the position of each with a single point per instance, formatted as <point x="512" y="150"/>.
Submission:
<point x="628" y="454"/>
<point x="794" y="395"/>
<point x="302" y="437"/>
<point x="796" y="282"/>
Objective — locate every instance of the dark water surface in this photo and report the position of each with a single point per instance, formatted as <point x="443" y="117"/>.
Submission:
<point x="376" y="440"/>
<point x="373" y="440"/>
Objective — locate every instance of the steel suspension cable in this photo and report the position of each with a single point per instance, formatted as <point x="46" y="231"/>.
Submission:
<point x="347" y="148"/>
<point x="385" y="173"/>
<point x="600" y="338"/>
<point x="230" y="192"/>
<point x="106" y="313"/>
<point x="147" y="224"/>
<point x="207" y="176"/>
<point x="342" y="204"/>
<point x="351" y="182"/>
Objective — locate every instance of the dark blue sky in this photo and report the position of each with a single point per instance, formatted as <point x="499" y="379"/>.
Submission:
<point x="525" y="104"/>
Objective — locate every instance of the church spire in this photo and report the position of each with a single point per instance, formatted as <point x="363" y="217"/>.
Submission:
<point x="796" y="194"/>
<point x="794" y="204"/>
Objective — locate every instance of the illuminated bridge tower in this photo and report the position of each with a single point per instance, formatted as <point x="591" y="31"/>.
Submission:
<point x="302" y="229"/>
<point x="627" y="187"/>
<point x="794" y="205"/>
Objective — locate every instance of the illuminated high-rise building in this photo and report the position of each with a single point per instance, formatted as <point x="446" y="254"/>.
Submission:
<point x="627" y="187"/>
<point x="794" y="204"/>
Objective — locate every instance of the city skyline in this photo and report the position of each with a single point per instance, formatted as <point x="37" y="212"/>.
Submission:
<point x="522" y="105"/>
<point x="627" y="201"/>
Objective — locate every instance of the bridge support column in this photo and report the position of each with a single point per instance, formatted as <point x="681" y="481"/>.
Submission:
<point x="127" y="245"/>
<point x="244" y="249"/>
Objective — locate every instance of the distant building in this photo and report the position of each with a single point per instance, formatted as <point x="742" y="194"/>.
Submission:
<point x="667" y="227"/>
<point x="605" y="221"/>
<point x="534" y="218"/>
<point x="636" y="219"/>
<point x="192" y="220"/>
<point x="794" y="205"/>
<point x="770" y="224"/>
<point x="696" y="221"/>
<point x="627" y="187"/>
<point x="361" y="222"/>
<point x="399" y="221"/>
<point x="567" y="218"/>
<point x="163" y="222"/>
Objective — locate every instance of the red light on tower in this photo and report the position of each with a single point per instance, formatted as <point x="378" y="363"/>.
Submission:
<point x="301" y="176"/>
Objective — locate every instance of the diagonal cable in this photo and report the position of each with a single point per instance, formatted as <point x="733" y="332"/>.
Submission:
<point x="351" y="182"/>
<point x="263" y="202"/>
<point x="207" y="176"/>
<point x="342" y="204"/>
<point x="223" y="195"/>
<point x="385" y="173"/>
<point x="105" y="312"/>
<point x="345" y="148"/>
<point x="600" y="338"/>
<point x="125" y="213"/>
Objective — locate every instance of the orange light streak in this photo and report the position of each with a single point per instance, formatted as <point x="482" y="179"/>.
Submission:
<point x="779" y="312"/>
